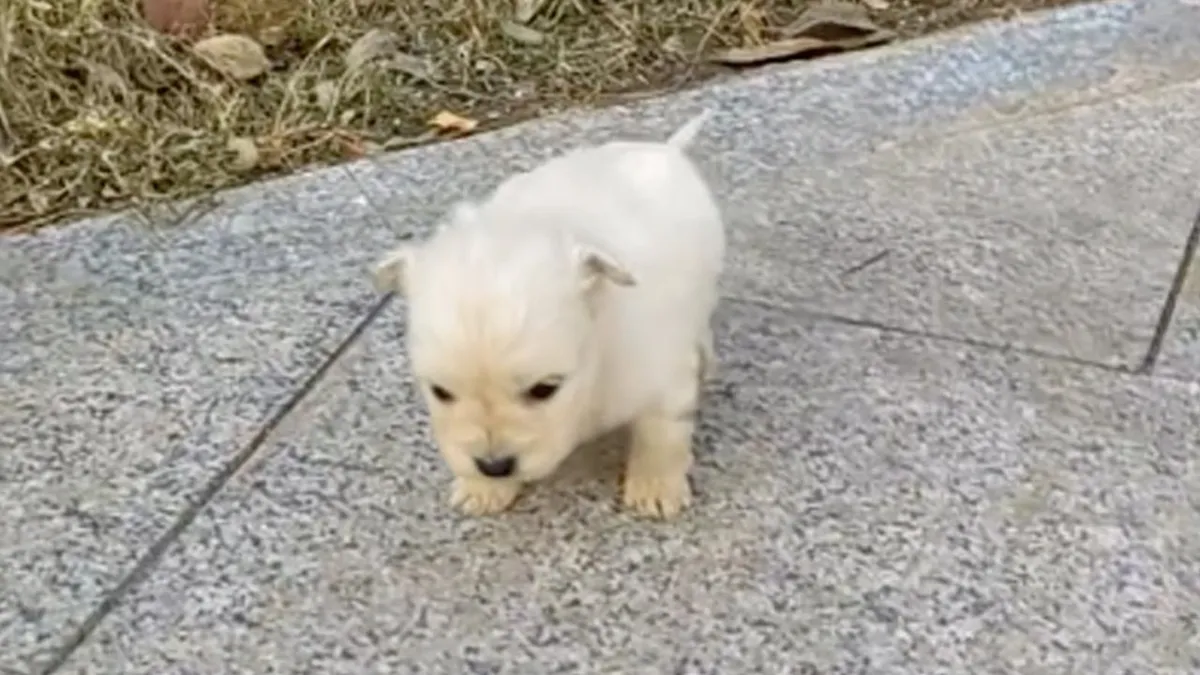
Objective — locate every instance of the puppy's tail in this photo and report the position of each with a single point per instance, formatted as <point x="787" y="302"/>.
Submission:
<point x="687" y="133"/>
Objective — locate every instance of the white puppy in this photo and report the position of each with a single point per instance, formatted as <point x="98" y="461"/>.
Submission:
<point x="575" y="299"/>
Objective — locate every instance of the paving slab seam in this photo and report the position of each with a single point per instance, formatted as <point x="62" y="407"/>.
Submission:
<point x="1172" y="299"/>
<point x="146" y="564"/>
<point x="974" y="343"/>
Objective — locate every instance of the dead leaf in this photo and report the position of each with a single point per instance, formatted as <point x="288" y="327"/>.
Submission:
<point x="185" y="18"/>
<point x="272" y="36"/>
<point x="245" y="153"/>
<point x="832" y="20"/>
<point x="527" y="9"/>
<point x="448" y="122"/>
<point x="237" y="56"/>
<point x="830" y="26"/>
<point x="411" y="65"/>
<point x="353" y="147"/>
<point x="106" y="78"/>
<point x="326" y="92"/>
<point x="523" y="34"/>
<point x="383" y="48"/>
<point x="375" y="44"/>
<point x="524" y="90"/>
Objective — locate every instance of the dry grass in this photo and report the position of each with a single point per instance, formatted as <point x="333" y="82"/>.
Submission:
<point x="99" y="112"/>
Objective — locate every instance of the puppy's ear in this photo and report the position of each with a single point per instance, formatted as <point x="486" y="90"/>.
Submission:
<point x="596" y="265"/>
<point x="390" y="275"/>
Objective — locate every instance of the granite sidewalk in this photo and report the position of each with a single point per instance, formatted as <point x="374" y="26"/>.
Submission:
<point x="955" y="430"/>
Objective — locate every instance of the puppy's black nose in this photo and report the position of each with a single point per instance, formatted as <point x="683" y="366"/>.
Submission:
<point x="496" y="467"/>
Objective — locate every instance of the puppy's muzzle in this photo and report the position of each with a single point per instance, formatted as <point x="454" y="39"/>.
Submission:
<point x="496" y="467"/>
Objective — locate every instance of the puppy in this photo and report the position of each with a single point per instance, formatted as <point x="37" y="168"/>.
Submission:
<point x="575" y="299"/>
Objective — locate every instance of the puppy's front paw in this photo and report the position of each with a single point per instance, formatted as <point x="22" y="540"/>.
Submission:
<point x="661" y="496"/>
<point x="481" y="497"/>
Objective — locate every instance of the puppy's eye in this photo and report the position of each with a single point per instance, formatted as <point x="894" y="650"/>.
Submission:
<point x="441" y="394"/>
<point x="542" y="391"/>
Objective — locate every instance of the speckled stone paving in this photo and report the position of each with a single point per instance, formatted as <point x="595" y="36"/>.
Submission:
<point x="136" y="362"/>
<point x="867" y="503"/>
<point x="952" y="431"/>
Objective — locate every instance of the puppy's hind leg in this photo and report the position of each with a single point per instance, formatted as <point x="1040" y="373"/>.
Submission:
<point x="656" y="473"/>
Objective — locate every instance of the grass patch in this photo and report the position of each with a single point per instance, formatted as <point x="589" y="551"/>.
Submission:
<point x="100" y="111"/>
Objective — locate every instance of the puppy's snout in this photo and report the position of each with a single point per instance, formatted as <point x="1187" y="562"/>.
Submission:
<point x="496" y="467"/>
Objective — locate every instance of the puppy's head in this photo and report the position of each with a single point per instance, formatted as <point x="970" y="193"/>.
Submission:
<point x="502" y="339"/>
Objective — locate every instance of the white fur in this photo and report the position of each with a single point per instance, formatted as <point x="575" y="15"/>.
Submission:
<point x="600" y="268"/>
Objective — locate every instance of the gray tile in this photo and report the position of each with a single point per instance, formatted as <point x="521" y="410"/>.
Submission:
<point x="1060" y="233"/>
<point x="1160" y="43"/>
<point x="136" y="361"/>
<point x="867" y="503"/>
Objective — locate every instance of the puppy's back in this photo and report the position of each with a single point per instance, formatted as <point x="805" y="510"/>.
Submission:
<point x="646" y="203"/>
